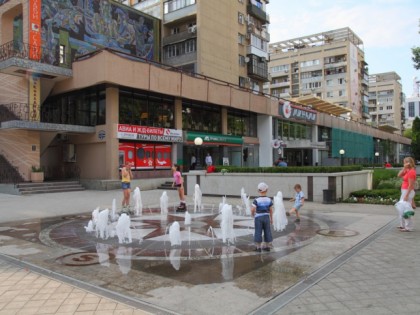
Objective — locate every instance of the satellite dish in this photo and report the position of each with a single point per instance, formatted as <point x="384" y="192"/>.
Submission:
<point x="246" y="59"/>
<point x="275" y="143"/>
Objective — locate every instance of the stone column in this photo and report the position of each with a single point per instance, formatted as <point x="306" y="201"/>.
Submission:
<point x="111" y="150"/>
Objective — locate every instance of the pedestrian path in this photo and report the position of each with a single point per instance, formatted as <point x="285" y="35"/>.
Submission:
<point x="382" y="277"/>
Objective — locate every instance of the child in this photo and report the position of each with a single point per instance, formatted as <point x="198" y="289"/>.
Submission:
<point x="299" y="199"/>
<point x="179" y="183"/>
<point x="262" y="210"/>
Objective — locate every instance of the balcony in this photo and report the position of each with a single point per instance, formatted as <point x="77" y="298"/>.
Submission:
<point x="181" y="59"/>
<point x="182" y="36"/>
<point x="252" y="50"/>
<point x="178" y="10"/>
<point x="20" y="59"/>
<point x="280" y="84"/>
<point x="257" y="68"/>
<point x="257" y="12"/>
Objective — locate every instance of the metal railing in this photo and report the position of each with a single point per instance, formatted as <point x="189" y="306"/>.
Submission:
<point x="14" y="111"/>
<point x="17" y="49"/>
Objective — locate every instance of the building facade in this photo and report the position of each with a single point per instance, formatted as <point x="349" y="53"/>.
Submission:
<point x="83" y="109"/>
<point x="328" y="65"/>
<point x="386" y="102"/>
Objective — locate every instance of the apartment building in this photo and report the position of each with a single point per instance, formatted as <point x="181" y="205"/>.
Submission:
<point x="226" y="40"/>
<point x="386" y="102"/>
<point x="329" y="66"/>
<point x="412" y="105"/>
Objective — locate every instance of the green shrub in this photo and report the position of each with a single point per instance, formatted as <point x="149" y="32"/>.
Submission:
<point x="290" y="169"/>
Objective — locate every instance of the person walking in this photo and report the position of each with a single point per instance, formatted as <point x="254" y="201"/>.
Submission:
<point x="209" y="160"/>
<point x="179" y="184"/>
<point x="262" y="211"/>
<point x="408" y="174"/>
<point x="193" y="162"/>
<point x="126" y="177"/>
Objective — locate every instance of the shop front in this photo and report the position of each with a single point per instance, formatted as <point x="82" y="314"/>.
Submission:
<point x="149" y="150"/>
<point x="223" y="149"/>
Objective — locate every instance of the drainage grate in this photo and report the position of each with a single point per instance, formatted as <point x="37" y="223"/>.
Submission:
<point x="337" y="233"/>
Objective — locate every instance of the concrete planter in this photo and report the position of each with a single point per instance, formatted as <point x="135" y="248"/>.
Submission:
<point x="313" y="184"/>
<point x="37" y="177"/>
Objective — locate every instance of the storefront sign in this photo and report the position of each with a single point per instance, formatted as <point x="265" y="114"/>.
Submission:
<point x="215" y="138"/>
<point x="149" y="133"/>
<point x="291" y="111"/>
<point x="35" y="29"/>
<point x="34" y="97"/>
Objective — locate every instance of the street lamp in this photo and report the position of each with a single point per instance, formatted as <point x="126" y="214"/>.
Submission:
<point x="342" y="152"/>
<point x="198" y="141"/>
<point x="376" y="157"/>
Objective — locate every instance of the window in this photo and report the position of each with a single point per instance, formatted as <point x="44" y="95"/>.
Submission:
<point x="241" y="18"/>
<point x="330" y="94"/>
<point x="242" y="123"/>
<point x="342" y="93"/>
<point x="411" y="109"/>
<point x="242" y="62"/>
<point x="341" y="81"/>
<point x="280" y="68"/>
<point x="243" y="81"/>
<point x="62" y="54"/>
<point x="194" y="120"/>
<point x="174" y="30"/>
<point x="329" y="82"/>
<point x="309" y="63"/>
<point x="389" y="107"/>
<point x="241" y="39"/>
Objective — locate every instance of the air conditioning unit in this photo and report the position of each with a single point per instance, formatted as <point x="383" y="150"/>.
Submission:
<point x="192" y="29"/>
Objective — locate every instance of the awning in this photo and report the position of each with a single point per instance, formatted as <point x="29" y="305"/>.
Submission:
<point x="322" y="106"/>
<point x="387" y="128"/>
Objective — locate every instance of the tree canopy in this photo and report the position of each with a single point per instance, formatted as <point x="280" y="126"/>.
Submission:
<point x="415" y="139"/>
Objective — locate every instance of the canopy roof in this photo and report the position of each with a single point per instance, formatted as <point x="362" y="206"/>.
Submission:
<point x="322" y="106"/>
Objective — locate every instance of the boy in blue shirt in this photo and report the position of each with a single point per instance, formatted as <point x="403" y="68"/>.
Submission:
<point x="299" y="199"/>
<point x="262" y="210"/>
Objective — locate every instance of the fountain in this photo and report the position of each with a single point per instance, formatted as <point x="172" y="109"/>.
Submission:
<point x="245" y="202"/>
<point x="279" y="216"/>
<point x="164" y="203"/>
<point x="228" y="234"/>
<point x="174" y="258"/>
<point x="138" y="206"/>
<point x="175" y="234"/>
<point x="114" y="216"/>
<point x="102" y="229"/>
<point x="222" y="204"/>
<point x="210" y="232"/>
<point x="95" y="215"/>
<point x="187" y="218"/>
<point x="198" y="196"/>
<point x="123" y="259"/>
<point x="123" y="229"/>
<point x="228" y="262"/>
<point x="103" y="254"/>
<point x="89" y="227"/>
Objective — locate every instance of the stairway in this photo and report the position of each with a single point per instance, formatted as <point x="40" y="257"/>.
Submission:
<point x="49" y="187"/>
<point x="166" y="186"/>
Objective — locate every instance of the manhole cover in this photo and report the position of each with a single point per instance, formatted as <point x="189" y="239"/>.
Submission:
<point x="337" y="233"/>
<point x="82" y="259"/>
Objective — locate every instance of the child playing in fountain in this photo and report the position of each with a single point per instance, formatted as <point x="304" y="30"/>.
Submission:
<point x="299" y="199"/>
<point x="262" y="211"/>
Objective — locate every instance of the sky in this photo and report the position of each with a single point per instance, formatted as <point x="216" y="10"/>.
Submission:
<point x="388" y="29"/>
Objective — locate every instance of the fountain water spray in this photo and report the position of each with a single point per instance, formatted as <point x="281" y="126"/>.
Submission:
<point x="222" y="204"/>
<point x="198" y="196"/>
<point x="164" y="203"/>
<point x="210" y="232"/>
<point x="175" y="234"/>
<point x="228" y="234"/>
<point x="138" y="205"/>
<point x="123" y="229"/>
<point x="114" y="210"/>
<point x="187" y="218"/>
<point x="102" y="229"/>
<point x="245" y="202"/>
<point x="279" y="216"/>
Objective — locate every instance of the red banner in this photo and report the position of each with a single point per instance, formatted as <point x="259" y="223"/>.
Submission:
<point x="35" y="29"/>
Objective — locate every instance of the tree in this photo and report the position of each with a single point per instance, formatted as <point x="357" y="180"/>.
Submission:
<point x="408" y="133"/>
<point x="415" y="139"/>
<point x="416" y="57"/>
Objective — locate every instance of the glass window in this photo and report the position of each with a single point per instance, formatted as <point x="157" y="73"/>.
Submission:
<point x="194" y="120"/>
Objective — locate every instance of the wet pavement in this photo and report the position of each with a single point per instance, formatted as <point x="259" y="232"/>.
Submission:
<point x="203" y="275"/>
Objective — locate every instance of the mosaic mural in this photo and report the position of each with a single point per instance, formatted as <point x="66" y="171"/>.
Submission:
<point x="81" y="26"/>
<point x="3" y="1"/>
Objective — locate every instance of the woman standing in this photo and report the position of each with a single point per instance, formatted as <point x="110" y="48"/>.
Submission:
<point x="126" y="177"/>
<point x="179" y="183"/>
<point x="408" y="174"/>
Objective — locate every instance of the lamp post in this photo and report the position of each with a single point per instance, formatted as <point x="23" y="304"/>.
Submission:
<point x="342" y="152"/>
<point x="376" y="157"/>
<point x="198" y="142"/>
